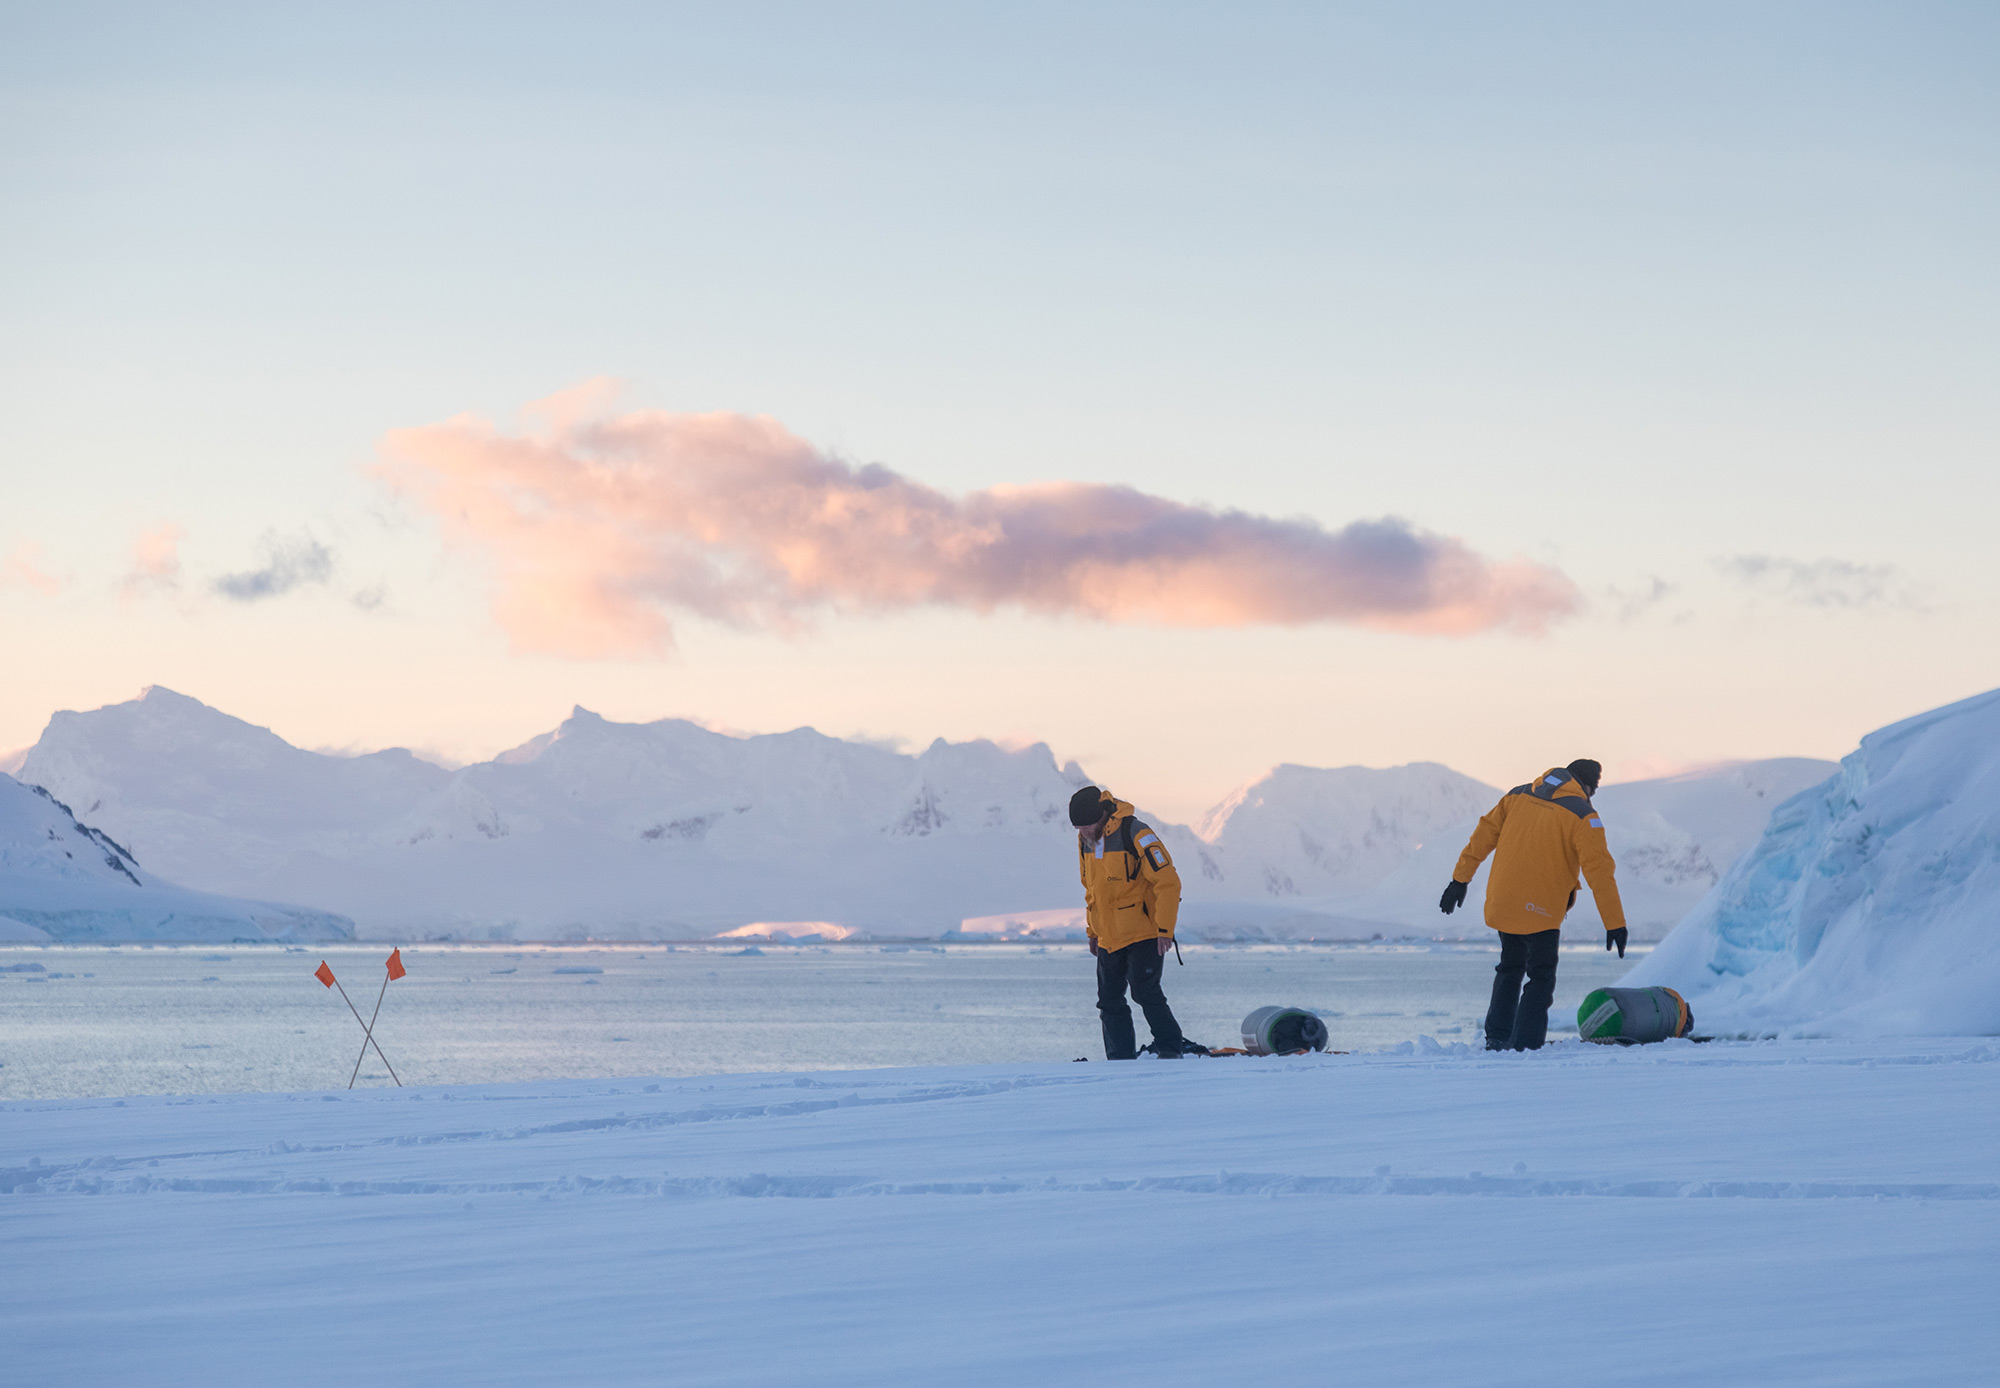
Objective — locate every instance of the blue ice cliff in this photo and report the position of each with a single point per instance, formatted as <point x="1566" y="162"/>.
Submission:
<point x="1872" y="901"/>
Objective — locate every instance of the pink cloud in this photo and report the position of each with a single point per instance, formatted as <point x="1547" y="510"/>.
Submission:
<point x="156" y="559"/>
<point x="598" y="525"/>
<point x="24" y="567"/>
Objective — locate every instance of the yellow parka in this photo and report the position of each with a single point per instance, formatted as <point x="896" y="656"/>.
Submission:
<point x="1131" y="889"/>
<point x="1544" y="831"/>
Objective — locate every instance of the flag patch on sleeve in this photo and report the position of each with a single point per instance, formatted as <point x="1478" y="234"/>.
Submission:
<point x="1157" y="856"/>
<point x="1596" y="823"/>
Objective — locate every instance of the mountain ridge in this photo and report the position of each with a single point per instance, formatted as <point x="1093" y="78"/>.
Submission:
<point x="669" y="829"/>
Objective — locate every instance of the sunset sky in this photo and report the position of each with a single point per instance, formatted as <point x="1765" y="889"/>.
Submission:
<point x="1191" y="388"/>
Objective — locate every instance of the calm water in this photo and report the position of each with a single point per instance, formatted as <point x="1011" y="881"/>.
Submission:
<point x="97" y="1021"/>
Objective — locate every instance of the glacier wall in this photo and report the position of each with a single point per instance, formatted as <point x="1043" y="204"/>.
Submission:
<point x="1872" y="902"/>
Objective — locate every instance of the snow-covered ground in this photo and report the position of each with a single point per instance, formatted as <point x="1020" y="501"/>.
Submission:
<point x="1733" y="1213"/>
<point x="669" y="830"/>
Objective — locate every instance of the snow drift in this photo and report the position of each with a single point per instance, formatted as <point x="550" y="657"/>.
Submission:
<point x="1871" y="900"/>
<point x="62" y="880"/>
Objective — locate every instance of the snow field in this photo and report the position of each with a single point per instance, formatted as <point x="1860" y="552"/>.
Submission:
<point x="1728" y="1213"/>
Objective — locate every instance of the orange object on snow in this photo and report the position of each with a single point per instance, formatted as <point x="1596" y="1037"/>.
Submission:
<point x="324" y="974"/>
<point x="396" y="969"/>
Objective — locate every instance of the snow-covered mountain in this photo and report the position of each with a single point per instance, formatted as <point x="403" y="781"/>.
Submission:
<point x="61" y="879"/>
<point x="668" y="830"/>
<point x="210" y="799"/>
<point x="1870" y="902"/>
<point x="656" y="830"/>
<point x="1304" y="831"/>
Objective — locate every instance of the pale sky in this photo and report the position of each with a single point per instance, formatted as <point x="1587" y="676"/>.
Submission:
<point x="1690" y="311"/>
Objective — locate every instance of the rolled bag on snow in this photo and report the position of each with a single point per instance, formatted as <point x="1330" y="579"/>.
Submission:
<point x="1633" y="1016"/>
<point x="1283" y="1030"/>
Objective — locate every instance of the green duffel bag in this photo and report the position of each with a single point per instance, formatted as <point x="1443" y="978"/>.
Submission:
<point x="1633" y="1016"/>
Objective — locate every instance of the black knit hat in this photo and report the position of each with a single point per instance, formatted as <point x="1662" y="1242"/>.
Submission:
<point x="1587" y="772"/>
<point x="1087" y="807"/>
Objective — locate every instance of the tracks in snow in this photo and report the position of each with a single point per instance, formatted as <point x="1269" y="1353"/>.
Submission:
<point x="93" y="1179"/>
<point x="414" y="1120"/>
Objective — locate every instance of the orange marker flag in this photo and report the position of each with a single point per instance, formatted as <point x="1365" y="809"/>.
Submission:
<point x="325" y="975"/>
<point x="396" y="969"/>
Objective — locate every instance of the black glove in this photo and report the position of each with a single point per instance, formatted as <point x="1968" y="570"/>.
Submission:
<point x="1453" y="898"/>
<point x="1095" y="948"/>
<point x="1615" y="937"/>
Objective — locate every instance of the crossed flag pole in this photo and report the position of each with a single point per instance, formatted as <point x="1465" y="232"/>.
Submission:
<point x="392" y="968"/>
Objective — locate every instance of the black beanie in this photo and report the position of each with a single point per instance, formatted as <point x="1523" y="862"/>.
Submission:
<point x="1587" y="772"/>
<point x="1086" y="807"/>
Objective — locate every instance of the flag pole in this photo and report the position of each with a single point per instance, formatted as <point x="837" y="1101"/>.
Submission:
<point x="350" y="1005"/>
<point x="369" y="1029"/>
<point x="392" y="969"/>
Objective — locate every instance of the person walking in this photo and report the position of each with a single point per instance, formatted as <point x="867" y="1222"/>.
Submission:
<point x="1131" y="897"/>
<point x="1543" y="833"/>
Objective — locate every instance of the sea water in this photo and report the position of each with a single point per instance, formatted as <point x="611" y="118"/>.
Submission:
<point x="85" y="1021"/>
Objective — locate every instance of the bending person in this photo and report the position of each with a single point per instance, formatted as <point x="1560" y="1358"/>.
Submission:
<point x="1131" y="897"/>
<point x="1542" y="833"/>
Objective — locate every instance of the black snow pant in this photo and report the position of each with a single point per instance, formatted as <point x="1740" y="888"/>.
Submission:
<point x="1139" y="967"/>
<point x="1518" y="1018"/>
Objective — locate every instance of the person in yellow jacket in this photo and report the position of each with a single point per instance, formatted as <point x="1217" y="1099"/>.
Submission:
<point x="1131" y="897"/>
<point x="1543" y="832"/>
